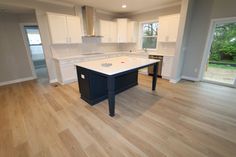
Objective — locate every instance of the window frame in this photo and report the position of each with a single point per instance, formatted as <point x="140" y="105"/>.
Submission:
<point x="141" y="33"/>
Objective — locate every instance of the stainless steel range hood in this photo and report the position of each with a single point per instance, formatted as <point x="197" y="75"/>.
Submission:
<point x="89" y="18"/>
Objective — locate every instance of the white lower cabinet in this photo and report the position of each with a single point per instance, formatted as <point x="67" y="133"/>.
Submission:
<point x="65" y="71"/>
<point x="167" y="67"/>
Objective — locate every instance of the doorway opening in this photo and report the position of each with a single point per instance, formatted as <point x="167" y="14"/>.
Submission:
<point x="220" y="66"/>
<point x="36" y="52"/>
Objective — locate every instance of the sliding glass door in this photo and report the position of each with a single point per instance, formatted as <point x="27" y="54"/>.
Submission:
<point x="221" y="65"/>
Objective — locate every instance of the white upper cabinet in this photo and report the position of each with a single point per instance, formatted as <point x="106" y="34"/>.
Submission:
<point x="108" y="31"/>
<point x="104" y="26"/>
<point x="64" y="29"/>
<point x="132" y="32"/>
<point x="113" y="32"/>
<point x="74" y="29"/>
<point x="127" y="31"/>
<point x="122" y="30"/>
<point x="168" y="28"/>
<point x="58" y="28"/>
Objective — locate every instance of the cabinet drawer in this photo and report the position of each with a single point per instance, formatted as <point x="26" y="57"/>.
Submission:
<point x="68" y="72"/>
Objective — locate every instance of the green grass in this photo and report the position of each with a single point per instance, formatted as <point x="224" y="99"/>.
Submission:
<point x="224" y="62"/>
<point x="222" y="66"/>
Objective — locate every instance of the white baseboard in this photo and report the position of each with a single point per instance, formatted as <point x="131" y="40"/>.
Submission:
<point x="53" y="81"/>
<point x="190" y="78"/>
<point x="16" y="81"/>
<point x="175" y="80"/>
<point x="65" y="81"/>
<point x="69" y="81"/>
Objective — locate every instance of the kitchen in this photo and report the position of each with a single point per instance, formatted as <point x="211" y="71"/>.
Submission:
<point x="120" y="31"/>
<point x="121" y="79"/>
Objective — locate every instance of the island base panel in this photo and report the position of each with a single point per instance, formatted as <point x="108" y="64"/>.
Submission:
<point x="94" y="87"/>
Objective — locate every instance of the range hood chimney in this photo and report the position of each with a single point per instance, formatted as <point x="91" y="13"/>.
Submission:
<point x="89" y="18"/>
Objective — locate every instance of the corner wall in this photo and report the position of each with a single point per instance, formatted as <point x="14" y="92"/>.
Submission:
<point x="14" y="63"/>
<point x="203" y="11"/>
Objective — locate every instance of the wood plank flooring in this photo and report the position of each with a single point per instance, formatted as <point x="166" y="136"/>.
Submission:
<point x="185" y="119"/>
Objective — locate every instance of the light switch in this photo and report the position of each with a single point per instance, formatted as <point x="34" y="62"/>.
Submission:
<point x="82" y="76"/>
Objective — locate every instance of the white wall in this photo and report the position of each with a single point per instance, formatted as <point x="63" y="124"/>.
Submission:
<point x="202" y="13"/>
<point x="14" y="63"/>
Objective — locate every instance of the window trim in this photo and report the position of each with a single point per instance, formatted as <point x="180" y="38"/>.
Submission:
<point x="141" y="33"/>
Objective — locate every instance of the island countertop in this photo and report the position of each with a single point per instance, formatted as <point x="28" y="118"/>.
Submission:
<point x="117" y="64"/>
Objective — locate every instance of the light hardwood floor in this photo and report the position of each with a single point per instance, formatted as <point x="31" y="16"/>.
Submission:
<point x="185" y="119"/>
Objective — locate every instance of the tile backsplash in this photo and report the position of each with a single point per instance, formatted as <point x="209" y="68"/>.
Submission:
<point x="89" y="45"/>
<point x="93" y="44"/>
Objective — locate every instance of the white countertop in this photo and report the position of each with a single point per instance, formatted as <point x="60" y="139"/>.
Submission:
<point x="119" y="64"/>
<point x="86" y="55"/>
<point x="160" y="54"/>
<point x="124" y="53"/>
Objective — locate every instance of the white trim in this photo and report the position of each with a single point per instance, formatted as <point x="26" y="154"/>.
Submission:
<point x="65" y="4"/>
<point x="16" y="81"/>
<point x="154" y="9"/>
<point x="175" y="80"/>
<point x="53" y="81"/>
<point x="140" y="38"/>
<point x="67" y="81"/>
<point x="22" y="25"/>
<point x="190" y="78"/>
<point x="101" y="11"/>
<point x="210" y="37"/>
<point x="219" y="83"/>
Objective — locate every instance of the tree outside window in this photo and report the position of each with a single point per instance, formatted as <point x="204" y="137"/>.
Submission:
<point x="149" y="35"/>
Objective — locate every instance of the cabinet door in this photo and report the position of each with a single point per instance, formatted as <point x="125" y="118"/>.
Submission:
<point x="68" y="72"/>
<point x="58" y="28"/>
<point x="132" y="31"/>
<point x="74" y="29"/>
<point x="113" y="32"/>
<point x="104" y="30"/>
<point x="168" y="28"/>
<point x="163" y="29"/>
<point x="167" y="66"/>
<point x="174" y="26"/>
<point x="122" y="25"/>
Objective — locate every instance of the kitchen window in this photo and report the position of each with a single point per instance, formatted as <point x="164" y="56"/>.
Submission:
<point x="149" y="35"/>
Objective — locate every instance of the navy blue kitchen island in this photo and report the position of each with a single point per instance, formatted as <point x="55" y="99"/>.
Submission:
<point x="102" y="79"/>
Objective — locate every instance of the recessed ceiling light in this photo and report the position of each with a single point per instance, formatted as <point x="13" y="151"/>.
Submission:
<point x="124" y="6"/>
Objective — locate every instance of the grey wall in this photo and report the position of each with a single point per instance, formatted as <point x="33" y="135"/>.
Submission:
<point x="223" y="8"/>
<point x="202" y="13"/>
<point x="14" y="63"/>
<point x="183" y="31"/>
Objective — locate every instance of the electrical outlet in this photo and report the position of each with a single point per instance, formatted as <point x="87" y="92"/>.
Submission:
<point x="82" y="76"/>
<point x="195" y="70"/>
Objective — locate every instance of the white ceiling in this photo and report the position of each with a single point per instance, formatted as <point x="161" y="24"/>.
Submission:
<point x="115" y="5"/>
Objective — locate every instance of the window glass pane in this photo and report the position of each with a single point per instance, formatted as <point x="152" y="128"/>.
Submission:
<point x="33" y="35"/>
<point x="150" y="29"/>
<point x="149" y="42"/>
